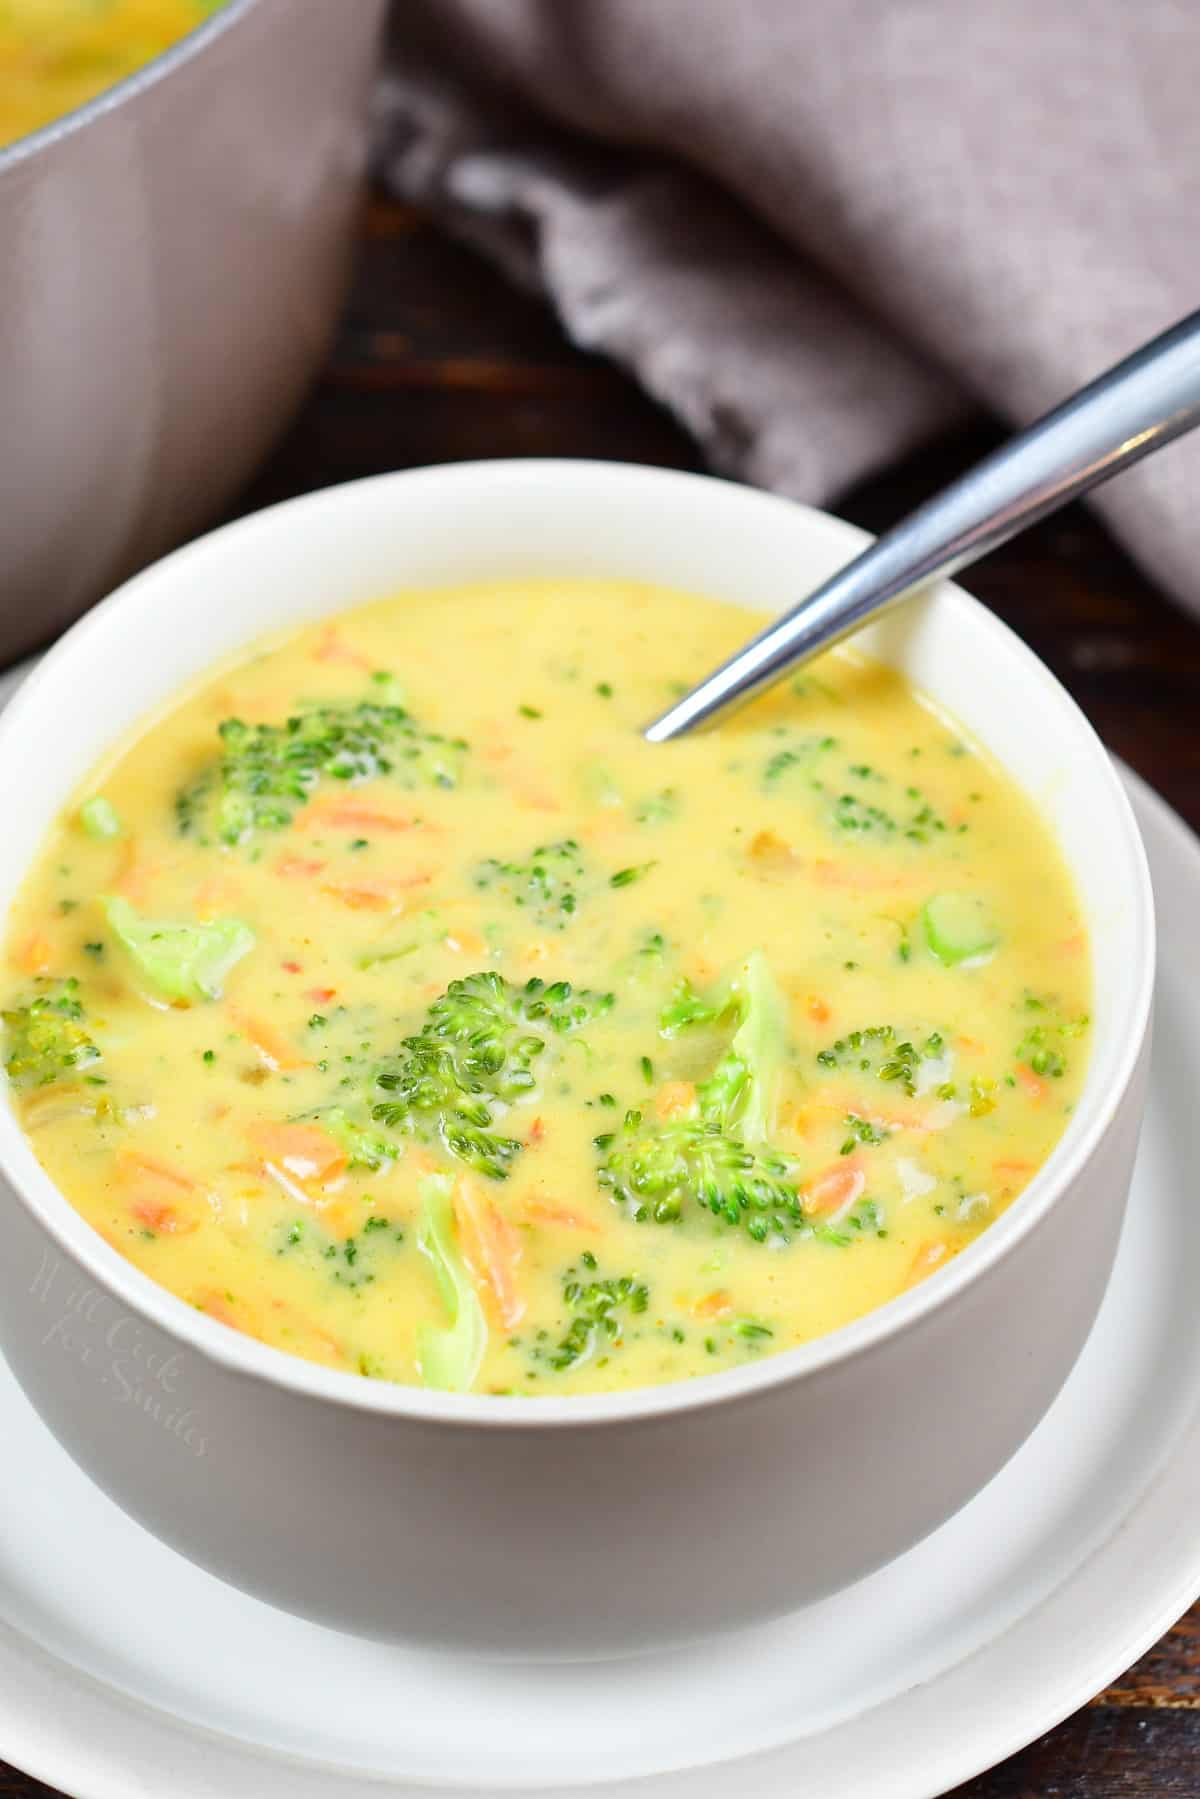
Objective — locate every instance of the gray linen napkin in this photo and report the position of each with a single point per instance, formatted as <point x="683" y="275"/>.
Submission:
<point x="821" y="232"/>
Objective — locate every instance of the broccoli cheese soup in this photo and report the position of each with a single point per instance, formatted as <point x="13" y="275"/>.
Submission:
<point x="389" y="999"/>
<point x="57" y="54"/>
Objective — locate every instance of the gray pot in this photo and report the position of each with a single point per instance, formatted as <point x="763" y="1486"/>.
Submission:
<point x="173" y="257"/>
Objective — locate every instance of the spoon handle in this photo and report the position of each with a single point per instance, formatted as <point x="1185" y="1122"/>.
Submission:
<point x="1134" y="409"/>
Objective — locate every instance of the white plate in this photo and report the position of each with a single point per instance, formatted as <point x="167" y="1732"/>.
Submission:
<point x="125" y="1671"/>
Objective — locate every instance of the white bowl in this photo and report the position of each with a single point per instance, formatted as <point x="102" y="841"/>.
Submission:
<point x="598" y="1524"/>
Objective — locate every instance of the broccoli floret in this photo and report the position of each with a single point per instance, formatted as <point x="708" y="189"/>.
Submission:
<point x="181" y="961"/>
<point x="364" y="1147"/>
<point x="658" y="1169"/>
<point x="800" y="754"/>
<point x="883" y="1051"/>
<point x="721" y="1158"/>
<point x="594" y="1307"/>
<point x="475" y="1055"/>
<point x="1038" y="1045"/>
<point x="46" y="1039"/>
<point x="266" y="772"/>
<point x="448" y="1358"/>
<point x="546" y="882"/>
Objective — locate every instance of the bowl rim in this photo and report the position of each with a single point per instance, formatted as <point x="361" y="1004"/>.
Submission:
<point x="159" y="68"/>
<point x="248" y="1359"/>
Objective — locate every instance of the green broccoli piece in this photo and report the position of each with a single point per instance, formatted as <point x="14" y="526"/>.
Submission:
<point x="722" y="1158"/>
<point x="476" y="1054"/>
<point x="99" y="817"/>
<point x="594" y="1306"/>
<point x="267" y="772"/>
<point x="546" y="882"/>
<point x="448" y="1358"/>
<point x="881" y="1050"/>
<point x="364" y="1147"/>
<point x="181" y="961"/>
<point x="1038" y="1045"/>
<point x="740" y="1091"/>
<point x="46" y="1039"/>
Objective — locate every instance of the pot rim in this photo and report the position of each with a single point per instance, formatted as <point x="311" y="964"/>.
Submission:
<point x="128" y="89"/>
<point x="244" y="1357"/>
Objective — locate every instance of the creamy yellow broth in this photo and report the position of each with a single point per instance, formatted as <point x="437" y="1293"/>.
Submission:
<point x="57" y="54"/>
<point x="827" y="1009"/>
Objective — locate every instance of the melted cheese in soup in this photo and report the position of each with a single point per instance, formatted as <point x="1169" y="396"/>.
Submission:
<point x="390" y="1000"/>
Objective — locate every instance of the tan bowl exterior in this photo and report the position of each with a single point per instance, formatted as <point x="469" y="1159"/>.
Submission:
<point x="580" y="1540"/>
<point x="173" y="258"/>
<point x="604" y="1523"/>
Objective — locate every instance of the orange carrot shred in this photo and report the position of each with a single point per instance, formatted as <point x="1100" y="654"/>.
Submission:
<point x="927" y="1258"/>
<point x="35" y="954"/>
<point x="547" y="1212"/>
<point x="274" y="1048"/>
<point x="838" y="1186"/>
<point x="675" y="1099"/>
<point x="332" y="647"/>
<point x="492" y="1248"/>
<point x="304" y="1150"/>
<point x="714" y="1305"/>
<point x="383" y="893"/>
<point x="162" y="1220"/>
<point x="357" y="818"/>
<point x="298" y="868"/>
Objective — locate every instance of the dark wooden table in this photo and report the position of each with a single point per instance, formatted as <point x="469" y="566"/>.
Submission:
<point x="438" y="360"/>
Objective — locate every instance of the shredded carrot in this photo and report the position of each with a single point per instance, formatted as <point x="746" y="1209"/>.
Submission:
<point x="675" y="1099"/>
<point x="836" y="1188"/>
<point x="1033" y="1084"/>
<point x="772" y="857"/>
<point x="525" y="785"/>
<point x="1074" y="945"/>
<point x="332" y="647"/>
<point x="133" y="875"/>
<point x="356" y="818"/>
<point x="834" y="1102"/>
<point x="464" y="941"/>
<point x="1014" y="1166"/>
<point x="855" y="878"/>
<point x="299" y="1322"/>
<point x="537" y="1132"/>
<point x="546" y="1212"/>
<point x="341" y="1218"/>
<point x="714" y="1305"/>
<point x="34" y="954"/>
<point x="133" y="1164"/>
<point x="818" y="1010"/>
<point x="298" y="868"/>
<point x="320" y="996"/>
<point x="161" y="1219"/>
<point x="492" y="1249"/>
<point x="274" y="1048"/>
<point x="380" y="893"/>
<point x="971" y="1045"/>
<point x="290" y="966"/>
<point x="216" y="894"/>
<point x="216" y="1305"/>
<point x="156" y="1190"/>
<point x="927" y="1258"/>
<point x="305" y="1150"/>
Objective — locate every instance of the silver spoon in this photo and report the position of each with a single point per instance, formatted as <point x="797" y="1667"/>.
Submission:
<point x="1133" y="410"/>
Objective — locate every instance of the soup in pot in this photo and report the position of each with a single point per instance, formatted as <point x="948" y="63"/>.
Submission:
<point x="56" y="55"/>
